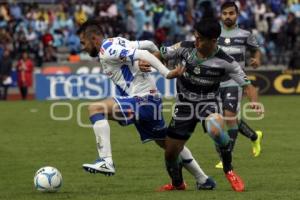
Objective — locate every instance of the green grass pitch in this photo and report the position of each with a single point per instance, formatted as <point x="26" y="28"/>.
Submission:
<point x="30" y="139"/>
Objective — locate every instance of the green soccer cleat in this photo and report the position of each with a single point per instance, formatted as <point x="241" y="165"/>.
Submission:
<point x="219" y="165"/>
<point x="256" y="148"/>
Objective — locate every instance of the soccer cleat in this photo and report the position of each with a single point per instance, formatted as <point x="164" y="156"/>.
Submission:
<point x="170" y="187"/>
<point x="219" y="165"/>
<point x="209" y="184"/>
<point x="236" y="182"/>
<point x="256" y="148"/>
<point x="100" y="166"/>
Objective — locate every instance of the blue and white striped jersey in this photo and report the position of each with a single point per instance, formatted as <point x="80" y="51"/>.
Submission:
<point x="119" y="63"/>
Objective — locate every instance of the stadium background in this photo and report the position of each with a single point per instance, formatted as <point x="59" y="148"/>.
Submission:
<point x="46" y="30"/>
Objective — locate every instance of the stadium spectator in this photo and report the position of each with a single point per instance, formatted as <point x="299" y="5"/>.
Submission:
<point x="140" y="17"/>
<point x="109" y="10"/>
<point x="167" y="21"/>
<point x="73" y="42"/>
<point x="147" y="32"/>
<point x="291" y="30"/>
<point x="80" y="15"/>
<point x="131" y="26"/>
<point x="262" y="25"/>
<point x="48" y="41"/>
<point x="74" y="57"/>
<point x="4" y="12"/>
<point x="24" y="74"/>
<point x="41" y="25"/>
<point x="15" y="11"/>
<point x="5" y="71"/>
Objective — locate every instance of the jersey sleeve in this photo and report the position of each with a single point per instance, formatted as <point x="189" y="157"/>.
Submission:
<point x="115" y="52"/>
<point x="146" y="45"/>
<point x="252" y="43"/>
<point x="235" y="71"/>
<point x="138" y="44"/>
<point x="172" y="52"/>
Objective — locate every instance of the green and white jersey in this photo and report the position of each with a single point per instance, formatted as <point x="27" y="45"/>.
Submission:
<point x="235" y="42"/>
<point x="202" y="78"/>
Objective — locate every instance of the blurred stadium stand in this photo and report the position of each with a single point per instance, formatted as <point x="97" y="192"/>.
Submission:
<point x="47" y="28"/>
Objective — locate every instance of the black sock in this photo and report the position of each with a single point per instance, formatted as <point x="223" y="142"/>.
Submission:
<point x="247" y="131"/>
<point x="174" y="169"/>
<point x="226" y="156"/>
<point x="233" y="133"/>
<point x="23" y="92"/>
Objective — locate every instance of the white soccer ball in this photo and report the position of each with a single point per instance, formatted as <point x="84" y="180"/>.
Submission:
<point x="47" y="179"/>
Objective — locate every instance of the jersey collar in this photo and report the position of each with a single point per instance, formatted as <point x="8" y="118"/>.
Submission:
<point x="230" y="29"/>
<point x="199" y="60"/>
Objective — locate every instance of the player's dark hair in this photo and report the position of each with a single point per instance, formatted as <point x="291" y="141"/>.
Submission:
<point x="228" y="4"/>
<point x="91" y="26"/>
<point x="208" y="27"/>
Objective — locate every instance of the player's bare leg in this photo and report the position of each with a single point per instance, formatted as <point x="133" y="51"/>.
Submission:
<point x="203" y="182"/>
<point x="173" y="147"/>
<point x="232" y="125"/>
<point x="215" y="128"/>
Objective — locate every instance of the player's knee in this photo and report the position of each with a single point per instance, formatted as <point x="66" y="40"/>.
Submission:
<point x="230" y="118"/>
<point x="214" y="131"/>
<point x="172" y="152"/>
<point x="170" y="155"/>
<point x="161" y="143"/>
<point x="231" y="123"/>
<point x="94" y="108"/>
<point x="215" y="124"/>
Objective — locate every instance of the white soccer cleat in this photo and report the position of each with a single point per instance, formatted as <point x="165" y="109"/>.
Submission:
<point x="100" y="166"/>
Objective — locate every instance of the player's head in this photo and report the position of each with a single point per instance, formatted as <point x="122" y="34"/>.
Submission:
<point x="229" y="13"/>
<point x="207" y="31"/>
<point x="91" y="35"/>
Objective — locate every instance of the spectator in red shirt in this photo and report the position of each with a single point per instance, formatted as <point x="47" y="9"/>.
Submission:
<point x="24" y="72"/>
<point x="48" y="46"/>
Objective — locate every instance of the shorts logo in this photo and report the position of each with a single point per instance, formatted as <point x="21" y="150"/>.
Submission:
<point x="197" y="70"/>
<point x="227" y="41"/>
<point x="163" y="50"/>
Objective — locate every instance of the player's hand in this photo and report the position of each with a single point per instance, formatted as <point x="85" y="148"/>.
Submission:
<point x="178" y="71"/>
<point x="144" y="66"/>
<point x="254" y="62"/>
<point x="257" y="107"/>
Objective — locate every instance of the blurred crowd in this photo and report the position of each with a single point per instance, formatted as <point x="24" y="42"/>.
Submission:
<point x="44" y="30"/>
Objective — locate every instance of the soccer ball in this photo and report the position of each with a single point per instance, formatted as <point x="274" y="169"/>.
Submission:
<point x="47" y="179"/>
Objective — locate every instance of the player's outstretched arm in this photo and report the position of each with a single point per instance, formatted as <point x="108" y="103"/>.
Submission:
<point x="147" y="45"/>
<point x="145" y="66"/>
<point x="156" y="63"/>
<point x="165" y="53"/>
<point x="235" y="71"/>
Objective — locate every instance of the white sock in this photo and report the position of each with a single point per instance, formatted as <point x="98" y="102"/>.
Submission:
<point x="192" y="166"/>
<point x="102" y="133"/>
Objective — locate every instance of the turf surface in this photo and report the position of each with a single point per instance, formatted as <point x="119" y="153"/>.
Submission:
<point x="30" y="139"/>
